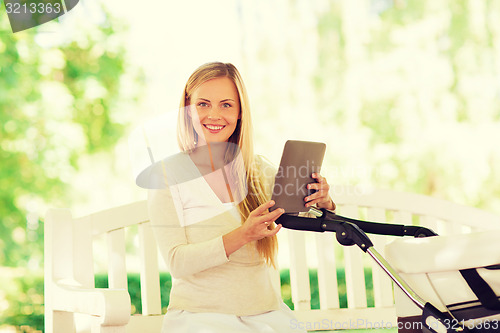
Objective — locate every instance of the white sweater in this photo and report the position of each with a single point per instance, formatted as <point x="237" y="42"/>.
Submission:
<point x="204" y="279"/>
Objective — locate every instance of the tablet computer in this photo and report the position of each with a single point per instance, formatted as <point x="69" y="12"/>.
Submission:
<point x="299" y="160"/>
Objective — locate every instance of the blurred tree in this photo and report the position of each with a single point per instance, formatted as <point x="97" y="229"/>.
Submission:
<point x="411" y="94"/>
<point x="57" y="103"/>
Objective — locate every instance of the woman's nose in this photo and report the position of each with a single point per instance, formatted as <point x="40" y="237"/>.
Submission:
<point x="214" y="113"/>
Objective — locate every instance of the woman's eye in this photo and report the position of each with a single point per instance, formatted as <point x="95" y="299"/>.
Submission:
<point x="202" y="104"/>
<point x="226" y="105"/>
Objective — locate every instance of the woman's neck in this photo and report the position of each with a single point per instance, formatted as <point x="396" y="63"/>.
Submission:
<point x="211" y="154"/>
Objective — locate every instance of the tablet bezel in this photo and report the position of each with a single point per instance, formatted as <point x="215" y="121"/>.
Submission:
<point x="301" y="158"/>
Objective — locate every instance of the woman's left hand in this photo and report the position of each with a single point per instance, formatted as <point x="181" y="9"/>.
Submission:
<point x="322" y="196"/>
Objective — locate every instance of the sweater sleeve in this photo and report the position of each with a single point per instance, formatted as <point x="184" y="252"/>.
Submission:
<point x="268" y="172"/>
<point x="182" y="258"/>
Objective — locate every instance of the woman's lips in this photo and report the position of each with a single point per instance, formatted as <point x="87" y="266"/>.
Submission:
<point x="214" y="128"/>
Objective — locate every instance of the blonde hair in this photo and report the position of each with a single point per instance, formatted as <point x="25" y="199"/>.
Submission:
<point x="242" y="138"/>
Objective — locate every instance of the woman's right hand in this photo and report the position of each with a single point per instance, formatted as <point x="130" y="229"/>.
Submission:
<point x="255" y="227"/>
<point x="257" y="224"/>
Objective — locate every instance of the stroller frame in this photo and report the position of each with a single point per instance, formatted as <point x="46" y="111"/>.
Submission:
<point x="353" y="232"/>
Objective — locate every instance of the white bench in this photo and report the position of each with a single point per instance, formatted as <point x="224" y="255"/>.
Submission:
<point x="72" y="304"/>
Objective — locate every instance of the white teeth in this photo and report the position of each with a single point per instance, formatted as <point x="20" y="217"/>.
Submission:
<point x="215" y="128"/>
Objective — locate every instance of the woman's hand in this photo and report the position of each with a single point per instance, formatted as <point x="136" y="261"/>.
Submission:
<point x="255" y="227"/>
<point x="259" y="220"/>
<point x="322" y="196"/>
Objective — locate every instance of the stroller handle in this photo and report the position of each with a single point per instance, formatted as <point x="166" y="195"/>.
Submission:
<point x="377" y="228"/>
<point x="350" y="231"/>
<point x="347" y="233"/>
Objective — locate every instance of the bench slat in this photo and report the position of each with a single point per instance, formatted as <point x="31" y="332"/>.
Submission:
<point x="382" y="285"/>
<point x="327" y="271"/>
<point x="117" y="272"/>
<point x="354" y="271"/>
<point x="418" y="204"/>
<point x="150" y="276"/>
<point x="82" y="249"/>
<point x="299" y="273"/>
<point x="117" y="217"/>
<point x="430" y="222"/>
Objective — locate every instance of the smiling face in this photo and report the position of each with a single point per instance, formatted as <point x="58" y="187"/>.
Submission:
<point x="215" y="110"/>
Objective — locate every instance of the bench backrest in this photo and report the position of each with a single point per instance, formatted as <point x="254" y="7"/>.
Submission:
<point x="442" y="216"/>
<point x="69" y="256"/>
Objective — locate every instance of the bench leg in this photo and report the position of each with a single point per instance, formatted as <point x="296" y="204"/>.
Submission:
<point x="108" y="329"/>
<point x="62" y="322"/>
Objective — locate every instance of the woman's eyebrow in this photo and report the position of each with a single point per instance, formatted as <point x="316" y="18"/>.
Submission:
<point x="207" y="100"/>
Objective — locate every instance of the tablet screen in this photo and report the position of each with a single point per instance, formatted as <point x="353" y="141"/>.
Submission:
<point x="299" y="160"/>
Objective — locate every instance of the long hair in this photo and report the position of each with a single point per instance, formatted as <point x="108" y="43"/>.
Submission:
<point x="187" y="139"/>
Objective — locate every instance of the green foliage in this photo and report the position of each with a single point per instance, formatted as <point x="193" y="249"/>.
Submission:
<point x="405" y="12"/>
<point x="381" y="118"/>
<point x="56" y="104"/>
<point x="101" y="281"/>
<point x="23" y="292"/>
<point x="20" y="166"/>
<point x="25" y="296"/>
<point x="411" y="95"/>
<point x="286" y="293"/>
<point x="95" y="68"/>
<point x="134" y="288"/>
<point x="459" y="26"/>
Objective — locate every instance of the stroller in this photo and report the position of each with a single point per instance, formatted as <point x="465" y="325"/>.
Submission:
<point x="475" y="317"/>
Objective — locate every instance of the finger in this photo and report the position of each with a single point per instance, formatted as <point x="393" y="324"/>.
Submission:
<point x="323" y="193"/>
<point x="271" y="216"/>
<point x="314" y="186"/>
<point x="262" y="208"/>
<point x="273" y="231"/>
<point x="317" y="201"/>
<point x="320" y="199"/>
<point x="310" y="203"/>
<point x="318" y="177"/>
<point x="275" y="214"/>
<point x="318" y="186"/>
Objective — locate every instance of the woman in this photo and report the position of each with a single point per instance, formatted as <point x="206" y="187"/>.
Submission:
<point x="211" y="219"/>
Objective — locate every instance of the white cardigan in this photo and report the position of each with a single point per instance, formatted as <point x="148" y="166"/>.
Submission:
<point x="205" y="280"/>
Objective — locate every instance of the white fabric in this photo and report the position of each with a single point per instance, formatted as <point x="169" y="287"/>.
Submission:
<point x="279" y="321"/>
<point x="431" y="267"/>
<point x="205" y="280"/>
<point x="205" y="204"/>
<point x="444" y="253"/>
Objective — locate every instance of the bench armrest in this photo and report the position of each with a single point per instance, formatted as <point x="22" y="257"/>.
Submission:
<point x="113" y="306"/>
